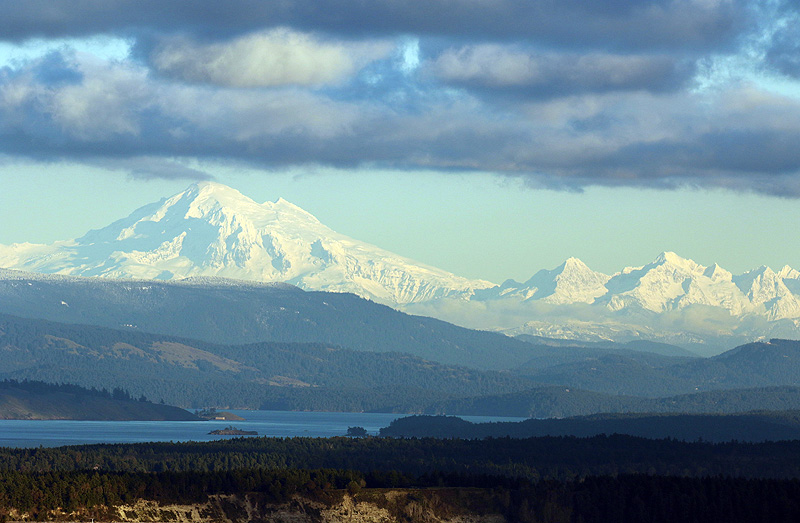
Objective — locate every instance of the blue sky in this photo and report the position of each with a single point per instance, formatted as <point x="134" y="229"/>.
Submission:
<point x="491" y="138"/>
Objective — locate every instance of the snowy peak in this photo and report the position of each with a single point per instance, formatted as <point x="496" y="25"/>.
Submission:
<point x="671" y="282"/>
<point x="717" y="273"/>
<point x="208" y="199"/>
<point x="787" y="273"/>
<point x="211" y="230"/>
<point x="670" y="261"/>
<point x="575" y="282"/>
<point x="763" y="286"/>
<point x="571" y="282"/>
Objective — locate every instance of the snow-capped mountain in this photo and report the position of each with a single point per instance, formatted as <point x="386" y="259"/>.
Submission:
<point x="213" y="230"/>
<point x="570" y="282"/>
<point x="668" y="283"/>
<point x="672" y="299"/>
<point x="763" y="286"/>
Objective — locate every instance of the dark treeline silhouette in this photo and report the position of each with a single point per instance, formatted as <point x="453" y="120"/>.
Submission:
<point x="41" y="387"/>
<point x="752" y="426"/>
<point x="561" y="458"/>
<point x="553" y="479"/>
<point x="627" y="498"/>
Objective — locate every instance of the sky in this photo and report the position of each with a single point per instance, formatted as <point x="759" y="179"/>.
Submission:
<point x="491" y="138"/>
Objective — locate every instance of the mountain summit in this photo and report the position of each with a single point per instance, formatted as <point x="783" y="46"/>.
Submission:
<point x="213" y="230"/>
<point x="570" y="282"/>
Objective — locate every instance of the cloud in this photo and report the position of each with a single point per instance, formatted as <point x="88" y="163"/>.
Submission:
<point x="494" y="68"/>
<point x="265" y="59"/>
<point x="148" y="168"/>
<point x="784" y="52"/>
<point x="116" y="112"/>
<point x="562" y="95"/>
<point x="606" y="24"/>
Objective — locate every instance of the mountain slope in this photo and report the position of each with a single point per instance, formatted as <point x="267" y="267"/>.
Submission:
<point x="193" y="373"/>
<point x="213" y="230"/>
<point x="227" y="311"/>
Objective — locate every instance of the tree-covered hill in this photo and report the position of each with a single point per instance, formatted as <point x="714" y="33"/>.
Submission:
<point x="37" y="400"/>
<point x="754" y="426"/>
<point x="269" y="374"/>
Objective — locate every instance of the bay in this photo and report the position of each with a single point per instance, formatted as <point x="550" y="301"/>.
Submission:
<point x="282" y="424"/>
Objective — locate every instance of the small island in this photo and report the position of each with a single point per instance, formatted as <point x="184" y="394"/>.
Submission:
<point x="214" y="414"/>
<point x="233" y="431"/>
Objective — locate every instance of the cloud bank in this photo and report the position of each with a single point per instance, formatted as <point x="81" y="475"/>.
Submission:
<point x="662" y="93"/>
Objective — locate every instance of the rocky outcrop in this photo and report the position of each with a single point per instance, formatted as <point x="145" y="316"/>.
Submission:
<point x="369" y="506"/>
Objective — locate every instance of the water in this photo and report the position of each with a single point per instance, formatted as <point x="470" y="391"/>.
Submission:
<point x="55" y="433"/>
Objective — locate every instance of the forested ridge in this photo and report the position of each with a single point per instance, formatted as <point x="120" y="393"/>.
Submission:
<point x="230" y="312"/>
<point x="598" y="479"/>
<point x="627" y="498"/>
<point x="753" y="365"/>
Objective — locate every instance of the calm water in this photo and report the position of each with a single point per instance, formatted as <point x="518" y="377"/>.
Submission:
<point x="53" y="433"/>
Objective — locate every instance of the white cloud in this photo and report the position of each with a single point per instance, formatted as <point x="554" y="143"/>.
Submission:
<point x="272" y="58"/>
<point x="105" y="102"/>
<point x="494" y="66"/>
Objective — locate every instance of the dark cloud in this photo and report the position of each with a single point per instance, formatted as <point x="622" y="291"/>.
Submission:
<point x="588" y="92"/>
<point x="759" y="152"/>
<point x="119" y="117"/>
<point x="617" y="24"/>
<point x="783" y="54"/>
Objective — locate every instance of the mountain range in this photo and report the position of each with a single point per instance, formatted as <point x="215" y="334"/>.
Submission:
<point x="211" y="230"/>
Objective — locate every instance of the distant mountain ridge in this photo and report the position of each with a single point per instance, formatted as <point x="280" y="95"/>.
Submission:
<point x="571" y="282"/>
